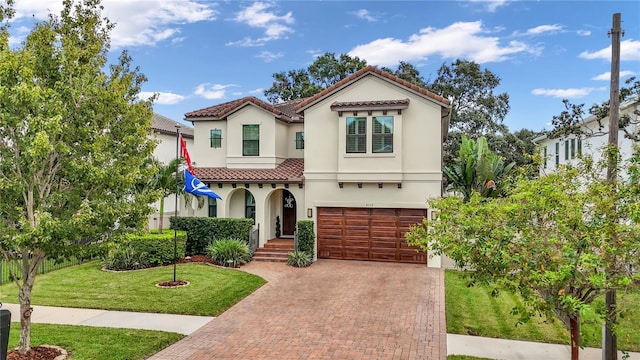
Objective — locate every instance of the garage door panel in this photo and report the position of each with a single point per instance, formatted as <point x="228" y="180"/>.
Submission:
<point x="382" y="244"/>
<point x="368" y="234"/>
<point x="383" y="256"/>
<point x="356" y="254"/>
<point x="356" y="243"/>
<point x="347" y="212"/>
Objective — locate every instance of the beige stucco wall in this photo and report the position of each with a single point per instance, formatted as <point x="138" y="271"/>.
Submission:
<point x="291" y="141"/>
<point x="203" y="155"/>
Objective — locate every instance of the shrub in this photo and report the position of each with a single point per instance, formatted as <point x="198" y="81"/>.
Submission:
<point x="299" y="259"/>
<point x="201" y="232"/>
<point x="159" y="248"/>
<point x="229" y="252"/>
<point x="125" y="257"/>
<point x="306" y="236"/>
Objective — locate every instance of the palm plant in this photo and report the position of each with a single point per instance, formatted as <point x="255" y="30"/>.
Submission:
<point x="477" y="169"/>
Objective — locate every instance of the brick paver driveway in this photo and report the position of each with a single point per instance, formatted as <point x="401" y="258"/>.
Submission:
<point x="334" y="309"/>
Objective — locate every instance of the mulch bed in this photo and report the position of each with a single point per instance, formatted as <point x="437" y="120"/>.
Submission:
<point x="196" y="259"/>
<point x="36" y="353"/>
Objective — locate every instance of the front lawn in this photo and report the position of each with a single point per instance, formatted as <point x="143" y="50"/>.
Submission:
<point x="473" y="311"/>
<point x="97" y="343"/>
<point x="211" y="290"/>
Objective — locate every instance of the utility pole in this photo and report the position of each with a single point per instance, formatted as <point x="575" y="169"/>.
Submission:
<point x="609" y="339"/>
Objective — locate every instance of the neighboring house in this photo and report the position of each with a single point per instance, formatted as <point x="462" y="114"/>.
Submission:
<point x="164" y="131"/>
<point x="567" y="150"/>
<point x="360" y="159"/>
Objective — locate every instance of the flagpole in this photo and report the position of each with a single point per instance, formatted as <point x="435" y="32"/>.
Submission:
<point x="175" y="230"/>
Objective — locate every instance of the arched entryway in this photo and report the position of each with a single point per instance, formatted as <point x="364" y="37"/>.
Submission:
<point x="289" y="208"/>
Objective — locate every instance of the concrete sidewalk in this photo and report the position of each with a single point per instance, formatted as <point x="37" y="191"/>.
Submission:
<point x="182" y="324"/>
<point x="518" y="350"/>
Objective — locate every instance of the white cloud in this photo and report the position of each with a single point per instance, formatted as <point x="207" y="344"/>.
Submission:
<point x="212" y="92"/>
<point x="364" y="14"/>
<point x="137" y="23"/>
<point x="275" y="26"/>
<point x="584" y="32"/>
<point x="258" y="91"/>
<point x="574" y="93"/>
<point x="269" y="56"/>
<point x="164" y="98"/>
<point x="491" y="5"/>
<point x="629" y="51"/>
<point x="459" y="40"/>
<point x="607" y="75"/>
<point x="544" y="29"/>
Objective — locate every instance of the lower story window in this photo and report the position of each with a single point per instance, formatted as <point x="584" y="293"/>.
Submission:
<point x="249" y="206"/>
<point x="213" y="207"/>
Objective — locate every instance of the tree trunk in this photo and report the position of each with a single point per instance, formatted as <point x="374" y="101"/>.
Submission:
<point x="574" y="328"/>
<point x="161" y="215"/>
<point x="29" y="271"/>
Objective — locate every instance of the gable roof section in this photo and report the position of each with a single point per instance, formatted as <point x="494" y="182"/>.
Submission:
<point x="371" y="70"/>
<point x="284" y="111"/>
<point x="290" y="171"/>
<point x="164" y="125"/>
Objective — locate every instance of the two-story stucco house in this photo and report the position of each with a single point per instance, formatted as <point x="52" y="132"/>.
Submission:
<point x="562" y="151"/>
<point x="360" y="159"/>
<point x="163" y="130"/>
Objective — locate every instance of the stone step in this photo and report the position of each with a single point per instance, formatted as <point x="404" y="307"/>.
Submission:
<point x="269" y="253"/>
<point x="257" y="257"/>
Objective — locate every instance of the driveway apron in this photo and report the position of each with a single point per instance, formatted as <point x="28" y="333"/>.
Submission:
<point x="335" y="309"/>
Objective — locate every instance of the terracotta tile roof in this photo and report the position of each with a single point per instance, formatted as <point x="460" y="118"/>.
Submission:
<point x="289" y="171"/>
<point x="363" y="72"/>
<point x="164" y="125"/>
<point x="284" y="111"/>
<point x="370" y="104"/>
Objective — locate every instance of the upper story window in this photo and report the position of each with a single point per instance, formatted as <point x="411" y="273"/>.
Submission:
<point x="300" y="140"/>
<point x="356" y="134"/>
<point x="250" y="140"/>
<point x="382" y="135"/>
<point x="215" y="138"/>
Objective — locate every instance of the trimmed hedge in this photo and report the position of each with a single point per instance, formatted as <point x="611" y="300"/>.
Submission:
<point x="203" y="231"/>
<point x="306" y="236"/>
<point x="158" y="247"/>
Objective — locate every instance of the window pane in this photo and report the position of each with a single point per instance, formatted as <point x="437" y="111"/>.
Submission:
<point x="216" y="138"/>
<point x="356" y="134"/>
<point x="382" y="138"/>
<point x="299" y="140"/>
<point x="250" y="140"/>
<point x="213" y="207"/>
<point x="250" y="206"/>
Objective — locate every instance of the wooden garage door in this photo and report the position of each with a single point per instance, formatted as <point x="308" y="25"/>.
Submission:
<point x="368" y="234"/>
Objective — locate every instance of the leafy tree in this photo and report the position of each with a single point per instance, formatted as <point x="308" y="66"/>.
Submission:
<point x="73" y="141"/>
<point x="325" y="71"/>
<point x="548" y="240"/>
<point x="477" y="169"/>
<point x="408" y="72"/>
<point x="475" y="109"/>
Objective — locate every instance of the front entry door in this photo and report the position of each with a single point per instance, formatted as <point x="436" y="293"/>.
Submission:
<point x="288" y="213"/>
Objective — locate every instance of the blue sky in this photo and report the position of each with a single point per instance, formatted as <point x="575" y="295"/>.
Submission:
<point x="201" y="53"/>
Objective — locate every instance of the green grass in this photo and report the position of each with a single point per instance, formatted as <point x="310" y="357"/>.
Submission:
<point x="465" y="357"/>
<point x="474" y="311"/>
<point x="97" y="343"/>
<point x="211" y="290"/>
